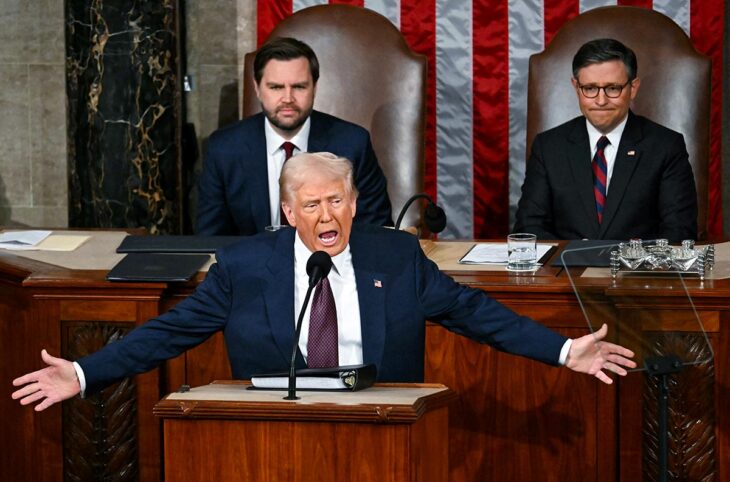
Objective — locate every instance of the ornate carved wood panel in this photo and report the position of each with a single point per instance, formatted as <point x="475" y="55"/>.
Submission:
<point x="691" y="418"/>
<point x="100" y="431"/>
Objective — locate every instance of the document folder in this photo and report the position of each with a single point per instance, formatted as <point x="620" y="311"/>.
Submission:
<point x="589" y="252"/>
<point x="350" y="377"/>
<point x="175" y="244"/>
<point x="157" y="267"/>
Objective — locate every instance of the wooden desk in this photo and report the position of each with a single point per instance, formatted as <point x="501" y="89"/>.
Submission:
<point x="515" y="420"/>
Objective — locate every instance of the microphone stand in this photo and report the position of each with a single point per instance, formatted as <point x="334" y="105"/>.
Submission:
<point x="292" y="366"/>
<point x="433" y="217"/>
<point x="318" y="267"/>
<point x="407" y="205"/>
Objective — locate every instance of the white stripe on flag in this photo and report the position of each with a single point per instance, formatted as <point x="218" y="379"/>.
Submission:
<point x="389" y="9"/>
<point x="591" y="4"/>
<point x="677" y="10"/>
<point x="302" y="4"/>
<point x="526" y="37"/>
<point x="454" y="122"/>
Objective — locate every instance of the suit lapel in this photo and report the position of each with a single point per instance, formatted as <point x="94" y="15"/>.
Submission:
<point x="279" y="294"/>
<point x="318" y="137"/>
<point x="623" y="169"/>
<point x="371" y="288"/>
<point x="580" y="165"/>
<point x="257" y="174"/>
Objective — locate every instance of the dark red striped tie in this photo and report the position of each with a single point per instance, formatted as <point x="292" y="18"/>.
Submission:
<point x="322" y="347"/>
<point x="288" y="151"/>
<point x="600" y="173"/>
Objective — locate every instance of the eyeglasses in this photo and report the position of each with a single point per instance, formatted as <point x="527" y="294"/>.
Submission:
<point x="612" y="91"/>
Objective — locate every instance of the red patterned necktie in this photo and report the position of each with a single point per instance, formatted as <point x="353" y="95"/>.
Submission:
<point x="288" y="151"/>
<point x="600" y="172"/>
<point x="322" y="348"/>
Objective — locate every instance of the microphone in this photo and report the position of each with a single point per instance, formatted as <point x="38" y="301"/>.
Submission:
<point x="319" y="265"/>
<point x="434" y="216"/>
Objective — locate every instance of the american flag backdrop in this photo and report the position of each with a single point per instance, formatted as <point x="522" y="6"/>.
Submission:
<point x="478" y="52"/>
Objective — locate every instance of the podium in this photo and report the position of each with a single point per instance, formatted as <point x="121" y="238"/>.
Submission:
<point x="226" y="432"/>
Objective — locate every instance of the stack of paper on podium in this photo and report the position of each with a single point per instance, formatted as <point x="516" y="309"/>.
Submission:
<point x="40" y="240"/>
<point x="496" y="253"/>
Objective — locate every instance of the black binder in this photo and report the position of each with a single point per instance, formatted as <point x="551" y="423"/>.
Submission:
<point x="349" y="377"/>
<point x="597" y="253"/>
<point x="157" y="267"/>
<point x="171" y="243"/>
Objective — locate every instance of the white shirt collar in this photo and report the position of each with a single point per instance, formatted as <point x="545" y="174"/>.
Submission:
<point x="274" y="140"/>
<point x="614" y="137"/>
<point x="302" y="254"/>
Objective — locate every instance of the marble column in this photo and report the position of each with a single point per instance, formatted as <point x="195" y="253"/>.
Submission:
<point x="124" y="114"/>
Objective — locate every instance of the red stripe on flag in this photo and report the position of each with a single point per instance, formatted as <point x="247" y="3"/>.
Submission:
<point x="418" y="26"/>
<point x="491" y="118"/>
<point x="637" y="3"/>
<point x="268" y="14"/>
<point x="556" y="13"/>
<point x="706" y="31"/>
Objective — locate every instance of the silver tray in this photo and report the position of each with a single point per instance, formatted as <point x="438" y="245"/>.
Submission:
<point x="657" y="257"/>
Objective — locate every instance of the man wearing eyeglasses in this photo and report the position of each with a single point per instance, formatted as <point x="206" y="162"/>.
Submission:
<point x="608" y="174"/>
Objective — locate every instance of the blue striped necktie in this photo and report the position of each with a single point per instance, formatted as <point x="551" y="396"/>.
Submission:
<point x="600" y="173"/>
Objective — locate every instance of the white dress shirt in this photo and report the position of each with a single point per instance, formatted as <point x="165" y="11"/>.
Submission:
<point x="275" y="161"/>
<point x="344" y="289"/>
<point x="614" y="137"/>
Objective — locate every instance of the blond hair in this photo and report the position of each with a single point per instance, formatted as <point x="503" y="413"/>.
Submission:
<point x="296" y="170"/>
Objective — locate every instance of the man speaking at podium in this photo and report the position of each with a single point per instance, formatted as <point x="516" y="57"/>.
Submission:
<point x="371" y="308"/>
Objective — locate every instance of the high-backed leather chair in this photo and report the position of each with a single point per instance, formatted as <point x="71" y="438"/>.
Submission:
<point x="368" y="76"/>
<point x="675" y="81"/>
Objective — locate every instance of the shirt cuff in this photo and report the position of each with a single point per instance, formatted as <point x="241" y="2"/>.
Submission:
<point x="82" y="378"/>
<point x="563" y="352"/>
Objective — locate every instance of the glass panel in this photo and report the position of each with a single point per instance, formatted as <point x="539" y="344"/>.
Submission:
<point x="643" y="293"/>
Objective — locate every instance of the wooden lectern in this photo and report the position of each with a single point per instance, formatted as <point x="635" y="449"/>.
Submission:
<point x="226" y="432"/>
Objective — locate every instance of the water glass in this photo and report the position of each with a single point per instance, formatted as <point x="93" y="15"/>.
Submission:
<point x="521" y="252"/>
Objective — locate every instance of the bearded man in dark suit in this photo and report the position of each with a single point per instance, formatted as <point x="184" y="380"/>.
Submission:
<point x="238" y="191"/>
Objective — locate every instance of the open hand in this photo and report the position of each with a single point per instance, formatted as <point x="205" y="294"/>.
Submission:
<point x="590" y="354"/>
<point x="55" y="383"/>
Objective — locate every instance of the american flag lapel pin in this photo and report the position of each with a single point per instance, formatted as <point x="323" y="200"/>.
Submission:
<point x="631" y="153"/>
<point x="377" y="283"/>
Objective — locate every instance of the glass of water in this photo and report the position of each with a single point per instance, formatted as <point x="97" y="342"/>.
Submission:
<point x="521" y="252"/>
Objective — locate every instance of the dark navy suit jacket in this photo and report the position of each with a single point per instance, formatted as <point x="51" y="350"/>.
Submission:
<point x="651" y="193"/>
<point x="249" y="295"/>
<point x="233" y="190"/>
